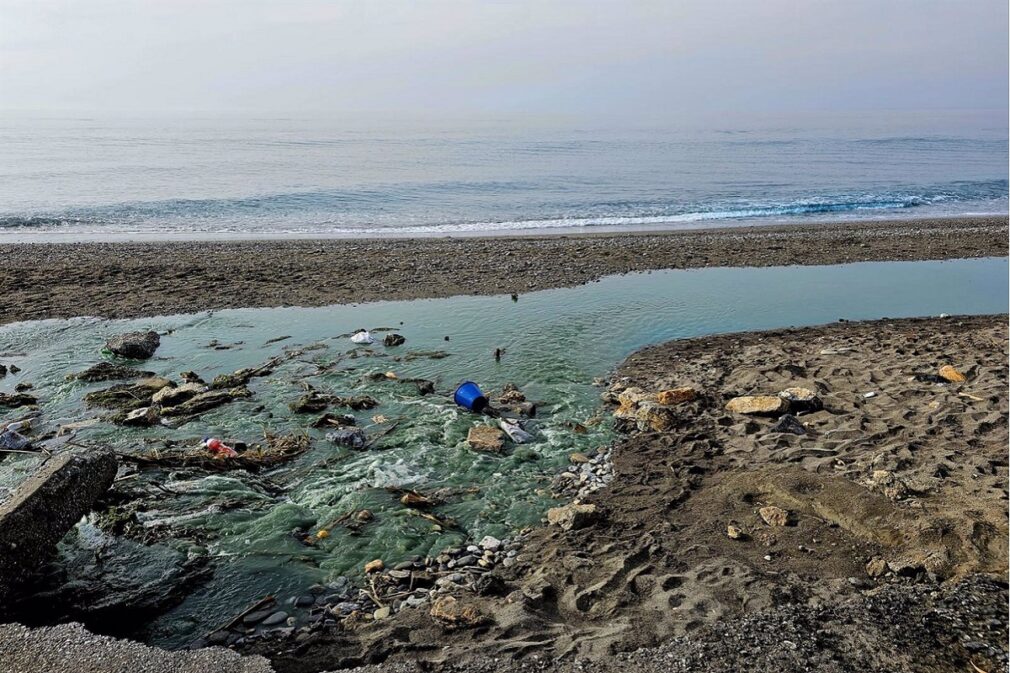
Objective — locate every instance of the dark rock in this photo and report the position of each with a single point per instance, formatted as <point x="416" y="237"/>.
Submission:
<point x="351" y="437"/>
<point x="3" y="371"/>
<point x="789" y="423"/>
<point x="45" y="506"/>
<point x="17" y="400"/>
<point x="490" y="585"/>
<point x="14" y="369"/>
<point x="127" y="396"/>
<point x="108" y="371"/>
<point x="305" y="601"/>
<point x="309" y="403"/>
<point x="278" y="617"/>
<point x="135" y="345"/>
<point x="206" y="401"/>
<point x="257" y="616"/>
<point x="393" y="340"/>
<point x="333" y="420"/>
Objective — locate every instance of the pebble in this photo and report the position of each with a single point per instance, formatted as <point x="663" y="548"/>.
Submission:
<point x="275" y="618"/>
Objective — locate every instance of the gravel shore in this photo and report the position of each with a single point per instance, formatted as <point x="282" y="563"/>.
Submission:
<point x="122" y="280"/>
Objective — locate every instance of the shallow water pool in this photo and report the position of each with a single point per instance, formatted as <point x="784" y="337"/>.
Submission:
<point x="555" y="342"/>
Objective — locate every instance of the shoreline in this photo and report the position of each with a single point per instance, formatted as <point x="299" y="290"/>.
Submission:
<point x="136" y="279"/>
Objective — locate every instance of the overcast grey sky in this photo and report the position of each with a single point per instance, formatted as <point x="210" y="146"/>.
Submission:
<point x="432" y="57"/>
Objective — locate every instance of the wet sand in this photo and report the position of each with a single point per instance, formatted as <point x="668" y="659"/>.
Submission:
<point x="893" y="552"/>
<point x="122" y="280"/>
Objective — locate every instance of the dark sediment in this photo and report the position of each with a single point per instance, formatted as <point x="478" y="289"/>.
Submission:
<point x="121" y="280"/>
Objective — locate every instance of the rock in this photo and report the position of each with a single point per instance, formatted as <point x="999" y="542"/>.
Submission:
<point x="453" y="613"/>
<point x="486" y="438"/>
<point x="3" y="371"/>
<point x="489" y="585"/>
<point x="206" y="401"/>
<point x="352" y="437"/>
<point x="237" y="378"/>
<point x="17" y="400"/>
<point x="39" y="512"/>
<point x="801" y="399"/>
<point x="127" y="396"/>
<point x="309" y="403"/>
<point x="143" y="417"/>
<point x="789" y="423"/>
<point x="135" y="345"/>
<point x="275" y="618"/>
<point x="511" y="395"/>
<point x="629" y="399"/>
<point x="108" y="371"/>
<point x="876" y="567"/>
<point x="573" y="516"/>
<point x="774" y="516"/>
<point x="952" y="375"/>
<point x="11" y="440"/>
<point x="393" y="339"/>
<point x="676" y="395"/>
<point x="257" y="616"/>
<point x="374" y="566"/>
<point x="656" y="417"/>
<point x="735" y="533"/>
<point x="489" y="543"/>
<point x="364" y="516"/>
<point x="764" y="405"/>
<point x="578" y="458"/>
<point x="412" y="499"/>
<point x="171" y="395"/>
<point x="382" y="613"/>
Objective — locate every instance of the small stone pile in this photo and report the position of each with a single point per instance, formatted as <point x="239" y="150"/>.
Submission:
<point x="585" y="475"/>
<point x="414" y="583"/>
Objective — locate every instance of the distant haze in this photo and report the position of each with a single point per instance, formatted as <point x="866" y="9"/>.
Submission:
<point x="612" y="60"/>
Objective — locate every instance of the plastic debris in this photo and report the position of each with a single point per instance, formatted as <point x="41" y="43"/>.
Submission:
<point x="219" y="448"/>
<point x="515" y="431"/>
<point x="469" y="396"/>
<point x="362" y="337"/>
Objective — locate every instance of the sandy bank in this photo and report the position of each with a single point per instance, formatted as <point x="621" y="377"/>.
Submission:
<point x="119" y="280"/>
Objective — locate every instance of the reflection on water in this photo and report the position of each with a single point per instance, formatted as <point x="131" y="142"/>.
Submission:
<point x="555" y="343"/>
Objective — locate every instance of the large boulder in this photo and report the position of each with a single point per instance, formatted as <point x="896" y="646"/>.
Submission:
<point x="758" y="405"/>
<point x="135" y="345"/>
<point x="573" y="516"/>
<point x="45" y="506"/>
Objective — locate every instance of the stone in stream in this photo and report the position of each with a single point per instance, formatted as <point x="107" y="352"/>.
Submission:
<point x="134" y="345"/>
<point x="763" y="405"/>
<point x="309" y="403"/>
<point x="17" y="400"/>
<point x="393" y="339"/>
<point x="127" y="396"/>
<point x="275" y="618"/>
<point x="206" y="401"/>
<point x="352" y="437"/>
<point x="257" y="616"/>
<point x="143" y="417"/>
<point x="109" y="371"/>
<point x="486" y="438"/>
<point x="489" y="543"/>
<point x="45" y="506"/>
<point x="374" y="566"/>
<point x="172" y="395"/>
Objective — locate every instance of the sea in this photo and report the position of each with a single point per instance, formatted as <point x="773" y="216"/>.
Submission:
<point x="204" y="176"/>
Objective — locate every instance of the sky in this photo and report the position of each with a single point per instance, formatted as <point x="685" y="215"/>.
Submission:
<point x="620" y="59"/>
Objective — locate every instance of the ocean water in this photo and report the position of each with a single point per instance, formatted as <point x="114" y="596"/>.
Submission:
<point x="556" y="342"/>
<point x="190" y="176"/>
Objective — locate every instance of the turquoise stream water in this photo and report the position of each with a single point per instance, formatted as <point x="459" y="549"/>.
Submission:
<point x="555" y="343"/>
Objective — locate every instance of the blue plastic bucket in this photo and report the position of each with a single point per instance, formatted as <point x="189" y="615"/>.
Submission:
<point x="469" y="396"/>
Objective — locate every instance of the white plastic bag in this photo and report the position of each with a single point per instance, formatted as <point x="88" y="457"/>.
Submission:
<point x="362" y="337"/>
